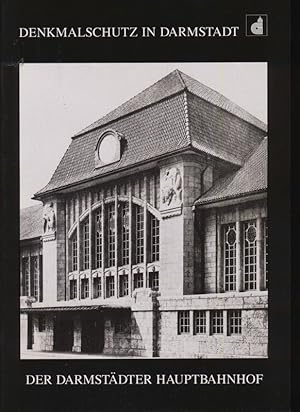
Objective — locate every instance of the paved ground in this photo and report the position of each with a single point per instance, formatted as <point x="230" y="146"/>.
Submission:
<point x="29" y="354"/>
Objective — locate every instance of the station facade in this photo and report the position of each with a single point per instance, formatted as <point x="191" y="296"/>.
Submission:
<point x="151" y="238"/>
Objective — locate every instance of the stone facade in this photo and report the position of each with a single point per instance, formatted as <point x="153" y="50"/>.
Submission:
<point x="130" y="264"/>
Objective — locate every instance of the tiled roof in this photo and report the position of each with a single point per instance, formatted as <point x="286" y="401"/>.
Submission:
<point x="175" y="113"/>
<point x="252" y="177"/>
<point x="31" y="222"/>
<point x="175" y="82"/>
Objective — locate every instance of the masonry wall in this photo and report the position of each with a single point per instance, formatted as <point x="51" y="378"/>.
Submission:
<point x="253" y="341"/>
<point x="43" y="341"/>
<point x="138" y="334"/>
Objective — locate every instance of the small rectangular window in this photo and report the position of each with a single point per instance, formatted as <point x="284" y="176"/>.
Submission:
<point x="217" y="322"/>
<point x="154" y="280"/>
<point x="97" y="287"/>
<point x="123" y="285"/>
<point x="183" y="322"/>
<point x="234" y="322"/>
<point x="73" y="289"/>
<point x="110" y="286"/>
<point x="84" y="288"/>
<point x="199" y="322"/>
<point x="138" y="280"/>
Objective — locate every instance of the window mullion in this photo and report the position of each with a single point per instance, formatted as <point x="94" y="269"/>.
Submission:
<point x="145" y="283"/>
<point x="78" y="248"/>
<point x="116" y="243"/>
<point x="91" y="249"/>
<point x="103" y="247"/>
<point x="239" y="277"/>
<point x="220" y="271"/>
<point x="260" y="254"/>
<point x="130" y="211"/>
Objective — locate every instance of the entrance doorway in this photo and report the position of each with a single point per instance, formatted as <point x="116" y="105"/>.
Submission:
<point x="92" y="335"/>
<point x="63" y="332"/>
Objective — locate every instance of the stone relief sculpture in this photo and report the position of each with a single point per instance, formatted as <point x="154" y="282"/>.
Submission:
<point x="172" y="187"/>
<point x="49" y="219"/>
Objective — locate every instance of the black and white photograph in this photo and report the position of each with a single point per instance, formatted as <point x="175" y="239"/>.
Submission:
<point x="143" y="210"/>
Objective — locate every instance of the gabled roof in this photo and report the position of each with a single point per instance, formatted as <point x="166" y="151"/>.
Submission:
<point x="31" y="222"/>
<point x="174" y="82"/>
<point x="175" y="113"/>
<point x="251" y="178"/>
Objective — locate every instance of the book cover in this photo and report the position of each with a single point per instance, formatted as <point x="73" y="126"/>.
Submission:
<point x="146" y="219"/>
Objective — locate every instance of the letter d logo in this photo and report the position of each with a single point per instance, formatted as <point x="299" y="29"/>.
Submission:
<point x="256" y="25"/>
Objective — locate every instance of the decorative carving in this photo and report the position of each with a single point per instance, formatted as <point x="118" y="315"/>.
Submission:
<point x="172" y="187"/>
<point x="49" y="222"/>
<point x="171" y="192"/>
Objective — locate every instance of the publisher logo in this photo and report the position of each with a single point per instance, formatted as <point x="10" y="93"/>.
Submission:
<point x="256" y="25"/>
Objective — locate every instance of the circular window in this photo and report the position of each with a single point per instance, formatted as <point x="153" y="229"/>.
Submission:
<point x="251" y="234"/>
<point x="231" y="236"/>
<point x="108" y="149"/>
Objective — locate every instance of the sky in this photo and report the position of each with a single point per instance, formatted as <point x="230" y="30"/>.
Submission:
<point x="57" y="100"/>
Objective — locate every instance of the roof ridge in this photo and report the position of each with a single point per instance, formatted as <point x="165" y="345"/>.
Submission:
<point x="186" y="117"/>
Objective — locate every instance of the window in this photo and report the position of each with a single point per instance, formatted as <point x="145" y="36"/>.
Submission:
<point x="84" y="288"/>
<point x="123" y="285"/>
<point x="217" y="321"/>
<point x="249" y="255"/>
<point x="98" y="240"/>
<point x="86" y="245"/>
<point x="154" y="238"/>
<point x="138" y="280"/>
<point x="183" y="322"/>
<point x="42" y="323"/>
<point x="74" y="252"/>
<point x="229" y="257"/>
<point x="125" y="233"/>
<point x="154" y="280"/>
<point x="26" y="274"/>
<point x="139" y="221"/>
<point x="73" y="289"/>
<point x="234" y="322"/>
<point x="110" y="286"/>
<point x="35" y="270"/>
<point x="97" y="287"/>
<point x="266" y="251"/>
<point x="199" y="322"/>
<point x="111" y="226"/>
